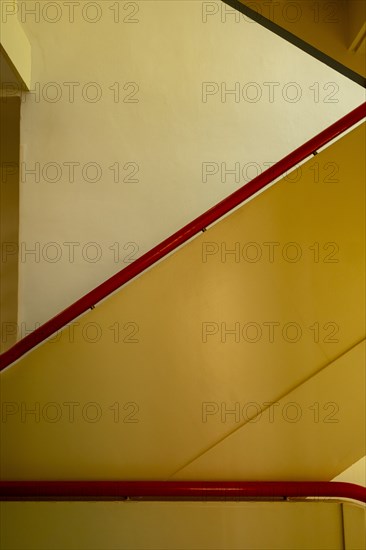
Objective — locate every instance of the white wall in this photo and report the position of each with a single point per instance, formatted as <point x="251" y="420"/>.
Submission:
<point x="168" y="52"/>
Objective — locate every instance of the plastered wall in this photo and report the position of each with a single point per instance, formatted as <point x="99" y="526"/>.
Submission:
<point x="142" y="115"/>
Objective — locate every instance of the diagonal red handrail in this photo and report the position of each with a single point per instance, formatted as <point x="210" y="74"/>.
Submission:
<point x="180" y="237"/>
<point x="107" y="490"/>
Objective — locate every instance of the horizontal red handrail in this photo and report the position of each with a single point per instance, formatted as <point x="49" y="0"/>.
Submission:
<point x="180" y="237"/>
<point x="106" y="490"/>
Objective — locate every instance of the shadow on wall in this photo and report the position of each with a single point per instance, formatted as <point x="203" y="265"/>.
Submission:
<point x="9" y="228"/>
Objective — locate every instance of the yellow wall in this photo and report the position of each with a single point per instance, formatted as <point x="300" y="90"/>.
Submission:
<point x="9" y="228"/>
<point x="354" y="521"/>
<point x="334" y="28"/>
<point x="138" y="391"/>
<point x="178" y="525"/>
<point x="357" y="26"/>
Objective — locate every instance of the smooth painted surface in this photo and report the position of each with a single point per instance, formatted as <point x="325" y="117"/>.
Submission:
<point x="357" y="26"/>
<point x="9" y="79"/>
<point x="356" y="473"/>
<point x="335" y="28"/>
<point x="142" y="386"/>
<point x="135" y="126"/>
<point x="9" y="225"/>
<point x="354" y="522"/>
<point x="15" y="43"/>
<point x="173" y="526"/>
<point x="307" y="434"/>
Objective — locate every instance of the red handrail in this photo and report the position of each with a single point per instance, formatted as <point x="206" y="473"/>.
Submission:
<point x="106" y="490"/>
<point x="180" y="237"/>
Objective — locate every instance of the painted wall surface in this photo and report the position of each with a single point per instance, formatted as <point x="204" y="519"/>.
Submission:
<point x="354" y="522"/>
<point x="175" y="525"/>
<point x="335" y="28"/>
<point x="241" y="356"/>
<point x="137" y="114"/>
<point x="356" y="473"/>
<point x="9" y="219"/>
<point x="10" y="84"/>
<point x="357" y="27"/>
<point x="14" y="42"/>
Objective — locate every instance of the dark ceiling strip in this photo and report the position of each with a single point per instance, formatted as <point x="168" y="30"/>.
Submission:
<point x="296" y="41"/>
